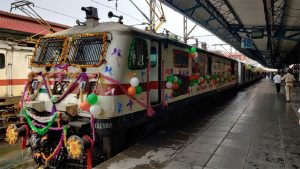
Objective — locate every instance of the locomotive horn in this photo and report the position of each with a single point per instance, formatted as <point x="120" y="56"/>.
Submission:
<point x="111" y="14"/>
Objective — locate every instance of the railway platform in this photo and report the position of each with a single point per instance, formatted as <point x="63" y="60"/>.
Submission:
<point x="255" y="129"/>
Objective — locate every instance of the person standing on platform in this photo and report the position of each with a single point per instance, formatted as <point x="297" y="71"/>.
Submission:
<point x="277" y="81"/>
<point x="289" y="80"/>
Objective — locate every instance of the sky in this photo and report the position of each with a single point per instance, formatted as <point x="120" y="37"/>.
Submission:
<point x="66" y="11"/>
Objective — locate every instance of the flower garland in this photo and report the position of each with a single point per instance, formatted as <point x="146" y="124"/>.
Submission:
<point x="40" y="118"/>
<point x="41" y="131"/>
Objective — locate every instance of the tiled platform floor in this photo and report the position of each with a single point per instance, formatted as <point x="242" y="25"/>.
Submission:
<point x="256" y="129"/>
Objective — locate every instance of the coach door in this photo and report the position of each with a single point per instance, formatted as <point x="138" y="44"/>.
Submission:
<point x="154" y="72"/>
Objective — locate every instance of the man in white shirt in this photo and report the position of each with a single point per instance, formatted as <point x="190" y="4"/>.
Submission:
<point x="277" y="81"/>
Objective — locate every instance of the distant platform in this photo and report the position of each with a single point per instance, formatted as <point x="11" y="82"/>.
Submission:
<point x="257" y="129"/>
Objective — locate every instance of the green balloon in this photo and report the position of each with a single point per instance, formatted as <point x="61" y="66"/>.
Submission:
<point x="179" y="81"/>
<point x="193" y="49"/>
<point x="207" y="77"/>
<point x="92" y="99"/>
<point x="171" y="79"/>
<point x="139" y="89"/>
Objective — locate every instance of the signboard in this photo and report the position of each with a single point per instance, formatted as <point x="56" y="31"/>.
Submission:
<point x="246" y="43"/>
<point x="257" y="34"/>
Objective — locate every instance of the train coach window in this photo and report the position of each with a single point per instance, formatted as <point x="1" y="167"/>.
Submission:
<point x="138" y="54"/>
<point x="2" y="61"/>
<point x="48" y="51"/>
<point x="153" y="56"/>
<point x="181" y="58"/>
<point x="86" y="50"/>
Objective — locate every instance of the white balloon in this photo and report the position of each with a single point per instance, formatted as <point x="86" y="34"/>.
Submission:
<point x="175" y="78"/>
<point x="134" y="82"/>
<point x="95" y="110"/>
<point x="169" y="85"/>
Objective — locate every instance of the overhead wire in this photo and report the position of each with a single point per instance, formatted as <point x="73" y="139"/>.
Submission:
<point x="58" y="13"/>
<point x="97" y="2"/>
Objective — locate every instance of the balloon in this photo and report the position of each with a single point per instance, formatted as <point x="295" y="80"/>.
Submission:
<point x="139" y="89"/>
<point x="169" y="85"/>
<point x="95" y="109"/>
<point x="92" y="99"/>
<point x="170" y="78"/>
<point x="131" y="91"/>
<point x="192" y="55"/>
<point x="175" y="78"/>
<point x="175" y="85"/>
<point x="207" y="77"/>
<point x="193" y="49"/>
<point x="84" y="106"/>
<point x="134" y="82"/>
<point x="179" y="81"/>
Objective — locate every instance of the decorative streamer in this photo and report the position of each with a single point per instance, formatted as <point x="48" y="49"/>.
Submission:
<point x="41" y="131"/>
<point x="56" y="150"/>
<point x="23" y="145"/>
<point x="89" y="159"/>
<point x="125" y="91"/>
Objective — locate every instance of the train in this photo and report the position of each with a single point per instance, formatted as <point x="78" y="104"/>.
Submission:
<point x="91" y="83"/>
<point x="14" y="67"/>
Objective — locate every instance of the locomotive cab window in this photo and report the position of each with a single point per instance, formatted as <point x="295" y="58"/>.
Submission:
<point x="86" y="50"/>
<point x="2" y="61"/>
<point x="48" y="51"/>
<point x="138" y="54"/>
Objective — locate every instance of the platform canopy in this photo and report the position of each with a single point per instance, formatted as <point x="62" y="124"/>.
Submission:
<point x="267" y="31"/>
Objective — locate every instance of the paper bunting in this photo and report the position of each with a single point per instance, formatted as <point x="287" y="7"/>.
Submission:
<point x="129" y="104"/>
<point x="119" y="107"/>
<point x="108" y="70"/>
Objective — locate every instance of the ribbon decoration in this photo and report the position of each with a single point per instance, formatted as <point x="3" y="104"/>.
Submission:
<point x="110" y="91"/>
<point x="23" y="145"/>
<point x="89" y="159"/>
<point x="56" y="150"/>
<point x="64" y="66"/>
<point x="129" y="104"/>
<point x="117" y="53"/>
<point x="108" y="70"/>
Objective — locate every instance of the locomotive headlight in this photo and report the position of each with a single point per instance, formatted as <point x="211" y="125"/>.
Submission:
<point x="64" y="86"/>
<point x="58" y="88"/>
<point x="93" y="86"/>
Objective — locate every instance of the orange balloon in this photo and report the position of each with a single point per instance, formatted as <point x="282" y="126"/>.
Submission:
<point x="85" y="106"/>
<point x="131" y="91"/>
<point x="175" y="85"/>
